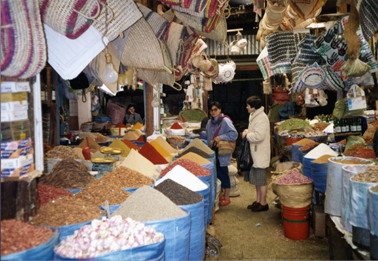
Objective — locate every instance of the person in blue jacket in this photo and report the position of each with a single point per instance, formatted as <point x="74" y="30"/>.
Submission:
<point x="131" y="116"/>
<point x="220" y="127"/>
<point x="291" y="109"/>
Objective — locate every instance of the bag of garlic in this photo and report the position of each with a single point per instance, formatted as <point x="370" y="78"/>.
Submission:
<point x="294" y="189"/>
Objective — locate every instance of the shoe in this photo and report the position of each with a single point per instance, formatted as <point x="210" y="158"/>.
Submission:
<point x="251" y="206"/>
<point x="220" y="198"/>
<point x="225" y="202"/>
<point x="260" y="208"/>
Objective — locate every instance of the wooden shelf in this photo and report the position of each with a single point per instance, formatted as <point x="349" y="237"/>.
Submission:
<point x="347" y="133"/>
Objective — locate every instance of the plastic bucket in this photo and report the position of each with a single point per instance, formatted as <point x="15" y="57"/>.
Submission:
<point x="296" y="222"/>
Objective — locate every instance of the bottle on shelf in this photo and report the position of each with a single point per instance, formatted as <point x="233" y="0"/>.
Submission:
<point x="327" y="118"/>
<point x="347" y="129"/>
<point x="353" y="127"/>
<point x="338" y="126"/>
<point x="359" y="124"/>
<point x="343" y="127"/>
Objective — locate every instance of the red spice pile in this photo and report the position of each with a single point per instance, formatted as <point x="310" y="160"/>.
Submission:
<point x="120" y="125"/>
<point x="140" y="139"/>
<point x="149" y="152"/>
<point x="176" y="126"/>
<point x="17" y="236"/>
<point x="47" y="193"/>
<point x="366" y="154"/>
<point x="130" y="144"/>
<point x="189" y="165"/>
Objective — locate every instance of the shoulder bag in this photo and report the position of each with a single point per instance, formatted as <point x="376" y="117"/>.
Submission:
<point x="243" y="156"/>
<point x="224" y="147"/>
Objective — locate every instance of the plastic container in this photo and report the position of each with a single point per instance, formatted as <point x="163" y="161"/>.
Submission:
<point x="296" y="154"/>
<point x="319" y="176"/>
<point x="296" y="222"/>
<point x="101" y="119"/>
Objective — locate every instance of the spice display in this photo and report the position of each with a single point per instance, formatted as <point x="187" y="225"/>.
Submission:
<point x="320" y="150"/>
<point x="304" y="142"/>
<point x="315" y="134"/>
<point x="193" y="115"/>
<point x="47" y="193"/>
<point x="184" y="178"/>
<point x="370" y="175"/>
<point x="68" y="174"/>
<point x="196" y="151"/>
<point x="124" y="177"/>
<point x="137" y="126"/>
<point x="13" y="231"/>
<point x="323" y="159"/>
<point x="366" y="154"/>
<point x="351" y="162"/>
<point x="130" y="144"/>
<point x="197" y="143"/>
<point x="353" y="150"/>
<point x="107" y="235"/>
<point x="150" y="153"/>
<point x="137" y="162"/>
<point x="162" y="142"/>
<point x="292" y="124"/>
<point x="87" y="134"/>
<point x="309" y="146"/>
<point x="195" y="158"/>
<point x="167" y="156"/>
<point x="118" y="144"/>
<point x="343" y="142"/>
<point x="179" y="194"/>
<point x="176" y="126"/>
<point x="100" y="138"/>
<point x="189" y="165"/>
<point x="131" y="135"/>
<point x="120" y="125"/>
<point x="79" y="153"/>
<point x="368" y="139"/>
<point x="294" y="177"/>
<point x="320" y="126"/>
<point x="93" y="146"/>
<point x="61" y="152"/>
<point x="65" y="211"/>
<point x="98" y="191"/>
<point x="146" y="204"/>
<point x="140" y="139"/>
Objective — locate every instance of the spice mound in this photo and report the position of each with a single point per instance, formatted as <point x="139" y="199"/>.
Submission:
<point x="124" y="177"/>
<point x="17" y="236"/>
<point x="98" y="191"/>
<point x="107" y="235"/>
<point x="368" y="139"/>
<point x="146" y="204"/>
<point x="343" y="142"/>
<point x="304" y="142"/>
<point x="374" y="189"/>
<point x="93" y="146"/>
<point x="291" y="124"/>
<point x="68" y="174"/>
<point x="61" y="152"/>
<point x="195" y="158"/>
<point x="150" y="153"/>
<point x="294" y="177"/>
<point x="47" y="193"/>
<point x="309" y="146"/>
<point x="179" y="194"/>
<point x="351" y="162"/>
<point x="65" y="211"/>
<point x="196" y="151"/>
<point x="366" y="154"/>
<point x="368" y="176"/>
<point x="353" y="150"/>
<point x="323" y="159"/>
<point x="320" y="126"/>
<point x="189" y="165"/>
<point x="197" y="143"/>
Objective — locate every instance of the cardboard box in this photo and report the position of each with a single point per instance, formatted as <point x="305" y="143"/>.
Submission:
<point x="16" y="163"/>
<point x="16" y="172"/>
<point x="15" y="87"/>
<point x="15" y="145"/>
<point x="16" y="130"/>
<point x="8" y="116"/>
<point x="14" y="101"/>
<point x="319" y="220"/>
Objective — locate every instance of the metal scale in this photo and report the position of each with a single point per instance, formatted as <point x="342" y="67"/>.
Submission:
<point x="106" y="164"/>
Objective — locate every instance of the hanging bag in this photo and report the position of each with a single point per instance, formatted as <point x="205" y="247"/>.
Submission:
<point x="243" y="156"/>
<point x="223" y="147"/>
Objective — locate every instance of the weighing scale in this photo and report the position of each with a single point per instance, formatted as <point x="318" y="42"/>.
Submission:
<point x="111" y="153"/>
<point x="102" y="165"/>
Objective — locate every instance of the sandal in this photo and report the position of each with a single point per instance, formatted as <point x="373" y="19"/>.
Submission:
<point x="225" y="202"/>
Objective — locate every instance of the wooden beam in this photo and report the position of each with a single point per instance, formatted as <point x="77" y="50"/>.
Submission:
<point x="149" y="94"/>
<point x="247" y="67"/>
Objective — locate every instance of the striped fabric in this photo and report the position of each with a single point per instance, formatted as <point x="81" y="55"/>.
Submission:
<point x="158" y="24"/>
<point x="306" y="8"/>
<point x="256" y="177"/>
<point x="368" y="10"/>
<point x="180" y="3"/>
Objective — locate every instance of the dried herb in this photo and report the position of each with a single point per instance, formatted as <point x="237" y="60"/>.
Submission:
<point x="47" y="193"/>
<point x="177" y="193"/>
<point x="124" y="177"/>
<point x="61" y="152"/>
<point x="196" y="151"/>
<point x="369" y="176"/>
<point x="189" y="165"/>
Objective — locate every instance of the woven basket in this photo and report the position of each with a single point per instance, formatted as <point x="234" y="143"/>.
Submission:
<point x="313" y="76"/>
<point x="23" y="52"/>
<point x="158" y="24"/>
<point x="142" y="48"/>
<point x="199" y="8"/>
<point x="180" y="3"/>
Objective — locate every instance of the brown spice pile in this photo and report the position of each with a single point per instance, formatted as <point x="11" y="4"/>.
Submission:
<point x="320" y="126"/>
<point x="17" y="236"/>
<point x="61" y="152"/>
<point x="368" y="139"/>
<point x="98" y="191"/>
<point x="343" y="142"/>
<point x="369" y="176"/>
<point x="65" y="211"/>
<point x="353" y="150"/>
<point x="93" y="146"/>
<point x="304" y="142"/>
<point x="126" y="178"/>
<point x="100" y="138"/>
<point x="68" y="174"/>
<point x="323" y="159"/>
<point x="195" y="158"/>
<point x="309" y="146"/>
<point x="350" y="162"/>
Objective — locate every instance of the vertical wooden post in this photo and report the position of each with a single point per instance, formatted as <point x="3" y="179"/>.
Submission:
<point x="149" y="94"/>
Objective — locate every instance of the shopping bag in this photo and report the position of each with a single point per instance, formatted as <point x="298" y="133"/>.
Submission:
<point x="243" y="156"/>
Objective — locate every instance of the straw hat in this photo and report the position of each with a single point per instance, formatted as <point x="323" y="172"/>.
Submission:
<point x="158" y="24"/>
<point x="22" y="35"/>
<point x="142" y="48"/>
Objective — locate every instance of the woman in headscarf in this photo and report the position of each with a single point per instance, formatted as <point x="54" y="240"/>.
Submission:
<point x="218" y="128"/>
<point x="258" y="135"/>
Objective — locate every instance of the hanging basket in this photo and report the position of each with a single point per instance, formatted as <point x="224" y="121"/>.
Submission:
<point x="313" y="76"/>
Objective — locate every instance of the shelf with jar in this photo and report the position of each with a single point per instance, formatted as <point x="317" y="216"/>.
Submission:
<point x="351" y="125"/>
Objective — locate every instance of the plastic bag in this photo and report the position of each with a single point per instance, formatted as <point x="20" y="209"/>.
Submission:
<point x="348" y="112"/>
<point x="116" y="112"/>
<point x="244" y="157"/>
<point x="340" y="107"/>
<point x="352" y="140"/>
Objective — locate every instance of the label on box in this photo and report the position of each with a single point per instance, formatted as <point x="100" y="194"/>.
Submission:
<point x="14" y="145"/>
<point x="6" y="173"/>
<point x="7" y="116"/>
<point x="15" y="87"/>
<point x="17" y="162"/>
<point x="6" y="154"/>
<point x="356" y="98"/>
<point x="14" y="106"/>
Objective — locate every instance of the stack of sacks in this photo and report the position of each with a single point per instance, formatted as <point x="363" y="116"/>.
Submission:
<point x="234" y="190"/>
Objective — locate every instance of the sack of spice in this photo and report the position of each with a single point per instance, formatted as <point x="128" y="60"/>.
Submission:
<point x="294" y="189"/>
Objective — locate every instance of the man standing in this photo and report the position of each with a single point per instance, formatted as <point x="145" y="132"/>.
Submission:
<point x="291" y="109"/>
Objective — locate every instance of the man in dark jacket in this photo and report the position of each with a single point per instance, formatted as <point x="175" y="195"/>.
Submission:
<point x="291" y="109"/>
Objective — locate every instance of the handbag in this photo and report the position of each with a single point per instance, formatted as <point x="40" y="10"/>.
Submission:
<point x="224" y="147"/>
<point x="243" y="156"/>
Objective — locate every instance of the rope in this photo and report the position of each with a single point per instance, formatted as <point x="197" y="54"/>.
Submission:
<point x="93" y="17"/>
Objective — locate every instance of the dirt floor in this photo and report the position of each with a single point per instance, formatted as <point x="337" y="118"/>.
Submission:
<point x="236" y="229"/>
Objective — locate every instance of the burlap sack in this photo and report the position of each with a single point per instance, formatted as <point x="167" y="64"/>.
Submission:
<point x="294" y="195"/>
